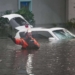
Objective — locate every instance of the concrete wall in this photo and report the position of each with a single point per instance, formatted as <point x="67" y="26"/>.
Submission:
<point x="49" y="11"/>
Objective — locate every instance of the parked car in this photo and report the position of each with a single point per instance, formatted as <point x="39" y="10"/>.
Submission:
<point x="56" y="33"/>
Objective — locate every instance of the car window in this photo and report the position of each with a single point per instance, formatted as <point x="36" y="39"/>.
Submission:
<point x="20" y="21"/>
<point x="61" y="34"/>
<point x="68" y="34"/>
<point x="41" y="34"/>
<point x="15" y="22"/>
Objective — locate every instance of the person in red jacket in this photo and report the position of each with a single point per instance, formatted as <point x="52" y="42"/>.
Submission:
<point x="27" y="43"/>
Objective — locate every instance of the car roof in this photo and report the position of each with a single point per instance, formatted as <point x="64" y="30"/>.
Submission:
<point x="56" y="28"/>
<point x="10" y="16"/>
<point x="46" y="29"/>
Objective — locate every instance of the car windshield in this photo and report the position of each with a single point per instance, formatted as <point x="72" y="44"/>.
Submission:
<point x="17" y="21"/>
<point x="61" y="34"/>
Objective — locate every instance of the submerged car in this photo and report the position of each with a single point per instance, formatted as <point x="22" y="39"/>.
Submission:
<point x="56" y="33"/>
<point x="17" y="22"/>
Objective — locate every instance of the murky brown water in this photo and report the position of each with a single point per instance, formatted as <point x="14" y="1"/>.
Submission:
<point x="51" y="59"/>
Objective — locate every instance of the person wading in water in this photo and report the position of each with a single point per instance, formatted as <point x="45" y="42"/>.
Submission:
<point x="28" y="42"/>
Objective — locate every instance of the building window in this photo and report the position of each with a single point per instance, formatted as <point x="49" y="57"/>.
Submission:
<point x="25" y="3"/>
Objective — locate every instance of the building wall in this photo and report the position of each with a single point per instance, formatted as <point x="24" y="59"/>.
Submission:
<point x="71" y="9"/>
<point x="8" y="5"/>
<point x="46" y="12"/>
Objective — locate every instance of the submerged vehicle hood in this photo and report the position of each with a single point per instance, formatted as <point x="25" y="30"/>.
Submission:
<point x="21" y="28"/>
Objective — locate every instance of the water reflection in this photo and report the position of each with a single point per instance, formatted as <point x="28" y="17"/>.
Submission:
<point x="29" y="66"/>
<point x="23" y="62"/>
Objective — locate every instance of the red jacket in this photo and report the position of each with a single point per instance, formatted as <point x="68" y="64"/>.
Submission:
<point x="27" y="43"/>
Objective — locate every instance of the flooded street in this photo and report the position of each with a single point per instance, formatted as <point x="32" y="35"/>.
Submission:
<point x="50" y="59"/>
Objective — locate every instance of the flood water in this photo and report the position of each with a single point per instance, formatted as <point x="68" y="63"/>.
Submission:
<point x="51" y="59"/>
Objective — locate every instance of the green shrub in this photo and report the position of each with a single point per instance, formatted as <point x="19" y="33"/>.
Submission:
<point x="4" y="27"/>
<point x="8" y="12"/>
<point x="70" y="24"/>
<point x="28" y="15"/>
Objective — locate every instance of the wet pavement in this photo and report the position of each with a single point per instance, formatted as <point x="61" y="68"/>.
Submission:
<point x="51" y="59"/>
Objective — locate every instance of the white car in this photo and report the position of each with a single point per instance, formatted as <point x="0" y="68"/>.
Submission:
<point x="17" y="21"/>
<point x="52" y="34"/>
